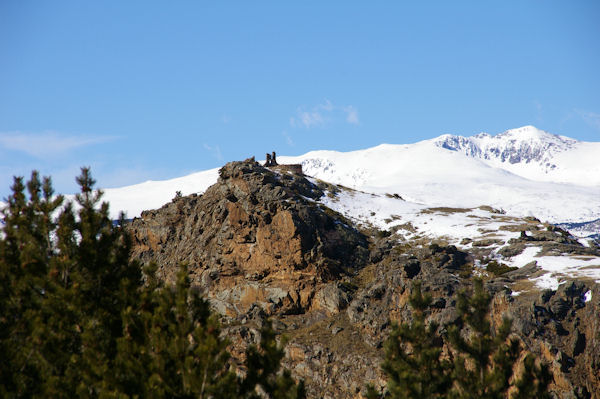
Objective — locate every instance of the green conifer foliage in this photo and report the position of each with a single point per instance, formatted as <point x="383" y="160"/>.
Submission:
<point x="534" y="381"/>
<point x="413" y="356"/>
<point x="263" y="364"/>
<point x="483" y="359"/>
<point x="485" y="362"/>
<point x="79" y="319"/>
<point x="25" y="251"/>
<point x="176" y="340"/>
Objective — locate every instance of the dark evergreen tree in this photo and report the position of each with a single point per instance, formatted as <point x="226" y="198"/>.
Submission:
<point x="534" y="380"/>
<point x="79" y="319"/>
<point x="172" y="346"/>
<point x="413" y="361"/>
<point x="263" y="370"/>
<point x="25" y="251"/>
<point x="484" y="358"/>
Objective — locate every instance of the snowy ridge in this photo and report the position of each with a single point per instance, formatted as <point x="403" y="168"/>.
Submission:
<point x="523" y="145"/>
<point x="449" y="171"/>
<point x="553" y="178"/>
<point x="584" y="229"/>
<point x="532" y="153"/>
<point x="462" y="227"/>
<point x="153" y="194"/>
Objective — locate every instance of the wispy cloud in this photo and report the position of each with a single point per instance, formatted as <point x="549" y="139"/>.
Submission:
<point x="214" y="150"/>
<point x="591" y="118"/>
<point x="351" y="115"/>
<point x="45" y="144"/>
<point x="288" y="138"/>
<point x="326" y="106"/>
<point x="323" y="114"/>
<point x="307" y="119"/>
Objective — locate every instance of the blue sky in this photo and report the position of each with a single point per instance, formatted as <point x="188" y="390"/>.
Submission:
<point x="152" y="90"/>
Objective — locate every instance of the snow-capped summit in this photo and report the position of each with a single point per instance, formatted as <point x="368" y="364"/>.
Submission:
<point x="531" y="153"/>
<point x="523" y="145"/>
<point x="528" y="132"/>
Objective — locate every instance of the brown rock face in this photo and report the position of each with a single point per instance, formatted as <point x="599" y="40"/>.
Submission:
<point x="256" y="236"/>
<point x="564" y="330"/>
<point x="258" y="244"/>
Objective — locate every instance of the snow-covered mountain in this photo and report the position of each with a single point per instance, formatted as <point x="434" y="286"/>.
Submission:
<point x="533" y="154"/>
<point x="523" y="145"/>
<point x="525" y="172"/>
<point x="461" y="190"/>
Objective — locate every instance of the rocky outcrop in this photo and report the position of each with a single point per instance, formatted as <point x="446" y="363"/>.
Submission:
<point x="259" y="244"/>
<point x="256" y="236"/>
<point x="563" y="328"/>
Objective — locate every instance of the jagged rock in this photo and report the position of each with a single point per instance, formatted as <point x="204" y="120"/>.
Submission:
<point x="331" y="298"/>
<point x="381" y="249"/>
<point x="258" y="245"/>
<point x="448" y="257"/>
<point x="254" y="237"/>
<point x="523" y="272"/>
<point x="559" y="307"/>
<point x="487" y="242"/>
<point x="511" y="250"/>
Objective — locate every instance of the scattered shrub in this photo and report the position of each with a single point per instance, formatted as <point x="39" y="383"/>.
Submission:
<point x="498" y="269"/>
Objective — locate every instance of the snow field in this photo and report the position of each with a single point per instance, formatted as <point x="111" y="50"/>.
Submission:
<point x="455" y="225"/>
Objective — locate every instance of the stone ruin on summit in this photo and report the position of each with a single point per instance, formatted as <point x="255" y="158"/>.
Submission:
<point x="271" y="162"/>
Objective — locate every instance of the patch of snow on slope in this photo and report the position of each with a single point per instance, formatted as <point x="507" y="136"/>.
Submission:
<point x="386" y="212"/>
<point x="453" y="225"/>
<point x="558" y="267"/>
<point x="589" y="229"/>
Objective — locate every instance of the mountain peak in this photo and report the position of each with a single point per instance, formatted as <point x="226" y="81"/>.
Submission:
<point x="523" y="133"/>
<point x="253" y="229"/>
<point x="532" y="134"/>
<point x="528" y="130"/>
<point x="521" y="145"/>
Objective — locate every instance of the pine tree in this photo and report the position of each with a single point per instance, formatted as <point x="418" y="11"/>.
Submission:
<point x="414" y="363"/>
<point x="78" y="318"/>
<point x="172" y="348"/>
<point x="484" y="358"/>
<point x="25" y="250"/>
<point x="263" y="364"/>
<point x="534" y="381"/>
<point x="485" y="362"/>
<point x="176" y="341"/>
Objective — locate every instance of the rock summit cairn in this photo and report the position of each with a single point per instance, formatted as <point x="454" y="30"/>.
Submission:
<point x="271" y="159"/>
<point x="271" y="162"/>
